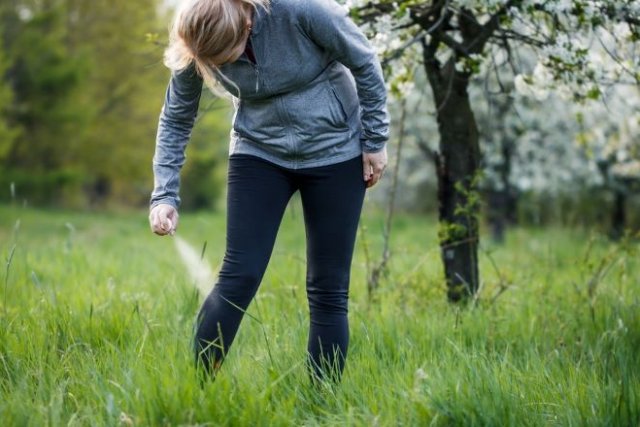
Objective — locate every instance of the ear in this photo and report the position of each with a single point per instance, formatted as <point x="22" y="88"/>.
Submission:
<point x="248" y="11"/>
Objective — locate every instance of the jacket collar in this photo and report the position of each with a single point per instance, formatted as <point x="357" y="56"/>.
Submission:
<point x="258" y="16"/>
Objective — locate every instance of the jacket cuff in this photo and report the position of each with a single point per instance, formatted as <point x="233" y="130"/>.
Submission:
<point x="165" y="201"/>
<point x="369" y="146"/>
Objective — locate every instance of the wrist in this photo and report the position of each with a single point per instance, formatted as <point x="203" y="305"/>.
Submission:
<point x="373" y="148"/>
<point x="166" y="202"/>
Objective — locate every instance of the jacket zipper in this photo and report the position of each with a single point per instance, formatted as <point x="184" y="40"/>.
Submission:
<point x="255" y="69"/>
<point x="254" y="65"/>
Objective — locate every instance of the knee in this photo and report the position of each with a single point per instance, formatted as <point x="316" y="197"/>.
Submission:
<point x="238" y="287"/>
<point x="328" y="300"/>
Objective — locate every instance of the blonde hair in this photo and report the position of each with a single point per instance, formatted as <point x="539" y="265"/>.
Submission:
<point x="204" y="29"/>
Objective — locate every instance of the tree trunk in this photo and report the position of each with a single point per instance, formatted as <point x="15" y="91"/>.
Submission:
<point x="457" y="166"/>
<point x="501" y="199"/>
<point x="618" y="214"/>
<point x="497" y="203"/>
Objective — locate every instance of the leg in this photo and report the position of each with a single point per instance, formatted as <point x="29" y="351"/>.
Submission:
<point x="332" y="199"/>
<point x="257" y="195"/>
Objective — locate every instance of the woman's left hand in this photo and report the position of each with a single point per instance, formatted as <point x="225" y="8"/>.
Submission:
<point x="373" y="166"/>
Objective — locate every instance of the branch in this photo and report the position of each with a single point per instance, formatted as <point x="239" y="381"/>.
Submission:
<point x="431" y="63"/>
<point x="427" y="151"/>
<point x="381" y="268"/>
<point x="422" y="18"/>
<point x="428" y="30"/>
<point x="377" y="10"/>
<point x="476" y="45"/>
<point x="427" y="17"/>
<point x="452" y="43"/>
<point x="494" y="68"/>
<point x="512" y="35"/>
<point x="422" y="22"/>
<point x="398" y="52"/>
<point x="616" y="58"/>
<point x="507" y="48"/>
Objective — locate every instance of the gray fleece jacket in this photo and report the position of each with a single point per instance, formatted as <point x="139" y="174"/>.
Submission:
<point x="314" y="96"/>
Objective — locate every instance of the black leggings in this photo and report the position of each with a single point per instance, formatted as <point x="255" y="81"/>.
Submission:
<point x="258" y="193"/>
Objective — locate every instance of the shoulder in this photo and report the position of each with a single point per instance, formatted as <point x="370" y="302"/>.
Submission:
<point x="308" y="9"/>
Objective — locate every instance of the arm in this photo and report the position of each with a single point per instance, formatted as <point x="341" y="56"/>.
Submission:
<point x="327" y="24"/>
<point x="174" y="130"/>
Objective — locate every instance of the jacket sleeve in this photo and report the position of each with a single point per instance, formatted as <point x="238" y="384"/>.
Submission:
<point x="328" y="25"/>
<point x="174" y="130"/>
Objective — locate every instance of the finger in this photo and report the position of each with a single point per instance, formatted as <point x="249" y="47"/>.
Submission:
<point x="174" y="217"/>
<point x="378" y="170"/>
<point x="162" y="220"/>
<point x="374" y="179"/>
<point x="159" y="229"/>
<point x="366" y="169"/>
<point x="151" y="219"/>
<point x="156" y="223"/>
<point x="170" y="227"/>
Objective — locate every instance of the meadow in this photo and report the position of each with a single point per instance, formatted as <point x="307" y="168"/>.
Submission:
<point x="97" y="316"/>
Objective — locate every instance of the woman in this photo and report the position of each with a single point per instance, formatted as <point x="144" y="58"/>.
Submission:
<point x="310" y="116"/>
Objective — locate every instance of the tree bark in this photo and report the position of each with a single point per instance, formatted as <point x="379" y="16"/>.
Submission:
<point x="457" y="166"/>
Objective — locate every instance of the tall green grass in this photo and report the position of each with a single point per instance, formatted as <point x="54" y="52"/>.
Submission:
<point x="97" y="313"/>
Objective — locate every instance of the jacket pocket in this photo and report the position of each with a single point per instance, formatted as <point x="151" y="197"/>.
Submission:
<point x="258" y="120"/>
<point x="344" y="90"/>
<point x="316" y="110"/>
<point x="343" y="111"/>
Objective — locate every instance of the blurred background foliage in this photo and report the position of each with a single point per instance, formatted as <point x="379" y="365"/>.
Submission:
<point x="82" y="89"/>
<point x="83" y="84"/>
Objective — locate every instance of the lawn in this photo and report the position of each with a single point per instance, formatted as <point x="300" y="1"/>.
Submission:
<point x="97" y="316"/>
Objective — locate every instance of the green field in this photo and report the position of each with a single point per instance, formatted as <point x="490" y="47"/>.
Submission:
<point x="97" y="315"/>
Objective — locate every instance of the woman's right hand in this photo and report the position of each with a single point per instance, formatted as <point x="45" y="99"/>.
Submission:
<point x="163" y="219"/>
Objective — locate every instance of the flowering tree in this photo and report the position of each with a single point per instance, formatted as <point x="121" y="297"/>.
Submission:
<point x="532" y="150"/>
<point x="610" y="133"/>
<point x="456" y="39"/>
